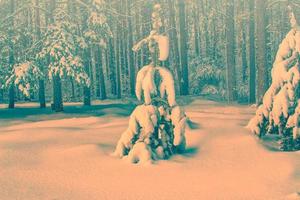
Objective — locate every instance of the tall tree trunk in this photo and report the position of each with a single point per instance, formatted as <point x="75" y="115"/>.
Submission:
<point x="1" y="95"/>
<point x="117" y="44"/>
<point x="244" y="46"/>
<point x="87" y="89"/>
<point x="252" y="67"/>
<point x="130" y="60"/>
<point x="244" y="56"/>
<point x="197" y="39"/>
<point x="11" y="55"/>
<point x="261" y="49"/>
<point x="183" y="48"/>
<point x="102" y="87"/>
<point x="87" y="66"/>
<point x="57" y="105"/>
<point x="42" y="98"/>
<point x="87" y="59"/>
<point x="204" y="10"/>
<point x="174" y="38"/>
<point x="230" y="51"/>
<point x="112" y="66"/>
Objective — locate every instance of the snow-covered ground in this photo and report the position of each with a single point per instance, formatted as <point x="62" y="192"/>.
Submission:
<point x="67" y="157"/>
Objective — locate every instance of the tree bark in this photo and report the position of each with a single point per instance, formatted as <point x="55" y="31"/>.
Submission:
<point x="230" y="51"/>
<point x="117" y="45"/>
<point x="102" y="88"/>
<point x="175" y="47"/>
<point x="130" y="61"/>
<point x="252" y="64"/>
<point x="261" y="49"/>
<point x="42" y="98"/>
<point x="183" y="48"/>
<point x="57" y="105"/>
<point x="11" y="91"/>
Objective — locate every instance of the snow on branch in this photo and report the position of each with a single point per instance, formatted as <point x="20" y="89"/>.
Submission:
<point x="292" y="16"/>
<point x="25" y="77"/>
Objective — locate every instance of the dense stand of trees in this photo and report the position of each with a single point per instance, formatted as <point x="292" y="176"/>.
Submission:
<point x="220" y="47"/>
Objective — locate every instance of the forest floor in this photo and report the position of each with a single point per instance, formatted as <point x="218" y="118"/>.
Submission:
<point x="66" y="156"/>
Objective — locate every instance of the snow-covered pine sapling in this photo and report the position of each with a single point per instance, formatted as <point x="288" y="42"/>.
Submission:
<point x="25" y="76"/>
<point x="157" y="127"/>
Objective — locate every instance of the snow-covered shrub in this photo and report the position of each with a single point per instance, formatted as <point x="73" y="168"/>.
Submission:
<point x="25" y="77"/>
<point x="209" y="89"/>
<point x="243" y="92"/>
<point x="206" y="78"/>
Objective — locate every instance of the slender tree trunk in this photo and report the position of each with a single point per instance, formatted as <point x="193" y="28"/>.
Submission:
<point x="57" y="94"/>
<point x="244" y="57"/>
<point x="204" y="10"/>
<point x="72" y="89"/>
<point x="57" y="105"/>
<point x="87" y="59"/>
<point x="1" y="95"/>
<point x="118" y="63"/>
<point x="42" y="98"/>
<point x="112" y="66"/>
<point x="130" y="60"/>
<point x="252" y="67"/>
<point x="174" y="38"/>
<point x="183" y="48"/>
<point x="87" y="89"/>
<point x="230" y="51"/>
<point x="197" y="31"/>
<point x="11" y="93"/>
<point x="102" y="87"/>
<point x="11" y="56"/>
<point x="261" y="49"/>
<point x="86" y="96"/>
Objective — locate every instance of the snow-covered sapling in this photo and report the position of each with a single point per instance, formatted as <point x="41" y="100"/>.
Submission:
<point x="157" y="127"/>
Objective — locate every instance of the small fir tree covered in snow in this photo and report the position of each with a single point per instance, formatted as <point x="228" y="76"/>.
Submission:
<point x="279" y="112"/>
<point x="156" y="128"/>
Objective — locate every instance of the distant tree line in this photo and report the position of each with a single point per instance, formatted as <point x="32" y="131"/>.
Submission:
<point x="81" y="50"/>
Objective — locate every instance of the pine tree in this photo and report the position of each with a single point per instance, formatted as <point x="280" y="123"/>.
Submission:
<point x="59" y="47"/>
<point x="156" y="128"/>
<point x="279" y="112"/>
